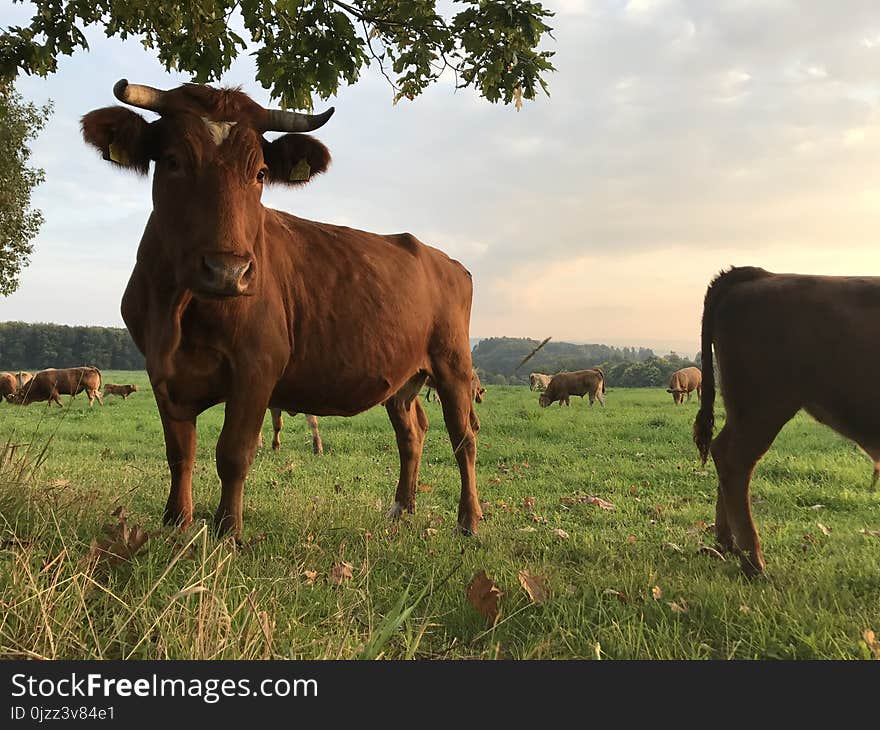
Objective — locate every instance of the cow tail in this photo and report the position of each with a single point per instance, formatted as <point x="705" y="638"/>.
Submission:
<point x="100" y="378"/>
<point x="704" y="424"/>
<point x="602" y="373"/>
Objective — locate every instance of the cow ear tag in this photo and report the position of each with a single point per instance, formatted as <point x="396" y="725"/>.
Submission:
<point x="117" y="154"/>
<point x="301" y="171"/>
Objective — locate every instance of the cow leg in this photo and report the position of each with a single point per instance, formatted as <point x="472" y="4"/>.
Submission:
<point x="277" y="425"/>
<point x="180" y="450"/>
<point x="737" y="449"/>
<point x="688" y="397"/>
<point x="100" y="399"/>
<point x="454" y="391"/>
<point x="410" y="425"/>
<point x="600" y="397"/>
<point x="55" y="398"/>
<point x="317" y="444"/>
<point x="700" y="393"/>
<point x="235" y="454"/>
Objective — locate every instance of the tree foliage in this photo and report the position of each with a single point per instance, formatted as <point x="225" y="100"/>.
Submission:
<point x="36" y="346"/>
<point x="20" y="122"/>
<point x="306" y="46"/>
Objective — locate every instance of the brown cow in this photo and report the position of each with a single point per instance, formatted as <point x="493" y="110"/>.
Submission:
<point x="47" y="385"/>
<point x="123" y="390"/>
<point x="685" y="381"/>
<point x="580" y="382"/>
<point x="539" y="381"/>
<point x="278" y="424"/>
<point x="779" y="340"/>
<point x="8" y="386"/>
<point x="315" y="318"/>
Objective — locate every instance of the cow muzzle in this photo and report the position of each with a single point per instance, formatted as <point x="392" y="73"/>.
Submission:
<point x="224" y="275"/>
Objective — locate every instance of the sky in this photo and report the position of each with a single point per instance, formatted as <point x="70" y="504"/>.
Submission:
<point x="681" y="137"/>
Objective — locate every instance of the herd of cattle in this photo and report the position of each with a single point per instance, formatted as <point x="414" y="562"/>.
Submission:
<point x="331" y="320"/>
<point x="24" y="388"/>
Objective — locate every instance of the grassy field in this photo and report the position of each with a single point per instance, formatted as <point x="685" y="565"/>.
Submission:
<point x="322" y="574"/>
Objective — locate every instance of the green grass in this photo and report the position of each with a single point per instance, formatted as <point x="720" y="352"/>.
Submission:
<point x="193" y="596"/>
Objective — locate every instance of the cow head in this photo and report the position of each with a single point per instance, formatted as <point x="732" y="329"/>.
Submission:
<point x="211" y="163"/>
<point x="544" y="399"/>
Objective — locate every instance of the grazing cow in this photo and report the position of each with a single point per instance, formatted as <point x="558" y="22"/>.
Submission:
<point x="47" y="385"/>
<point x="278" y="424"/>
<point x="477" y="389"/>
<point x="314" y="318"/>
<point x="8" y="386"/>
<point x="779" y="339"/>
<point x="123" y="390"/>
<point x="539" y="381"/>
<point x="580" y="382"/>
<point x="683" y="382"/>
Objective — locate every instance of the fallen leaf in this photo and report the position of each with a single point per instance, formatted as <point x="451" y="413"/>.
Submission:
<point x="679" y="607"/>
<point x="310" y="576"/>
<point x="825" y="530"/>
<point x="657" y="593"/>
<point x="425" y="488"/>
<point x="871" y="533"/>
<point x="122" y="543"/>
<point x="631" y="539"/>
<point x="588" y="499"/>
<point x="60" y="483"/>
<point x="672" y="546"/>
<point x="872" y="643"/>
<point x="559" y="532"/>
<point x="430" y="531"/>
<point x="340" y="573"/>
<point x="527" y="528"/>
<point x="483" y="595"/>
<point x="529" y="504"/>
<point x="817" y="507"/>
<point x="744" y="609"/>
<point x="534" y="585"/>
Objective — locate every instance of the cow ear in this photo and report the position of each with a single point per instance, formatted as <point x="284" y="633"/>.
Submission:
<point x="122" y="135"/>
<point x="295" y="158"/>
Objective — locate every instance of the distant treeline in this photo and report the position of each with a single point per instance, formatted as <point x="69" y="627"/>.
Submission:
<point x="624" y="367"/>
<point x="26" y="346"/>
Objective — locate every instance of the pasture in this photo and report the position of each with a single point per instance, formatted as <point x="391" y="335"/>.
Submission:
<point x="322" y="573"/>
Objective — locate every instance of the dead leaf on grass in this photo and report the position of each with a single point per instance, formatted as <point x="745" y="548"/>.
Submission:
<point x="483" y="595"/>
<point x="425" y="488"/>
<point x="529" y="504"/>
<point x="534" y="585"/>
<point x="825" y="530"/>
<point x="679" y="606"/>
<point x="619" y="595"/>
<point x="657" y="593"/>
<point x="871" y="641"/>
<point x="559" y="532"/>
<point x="340" y="573"/>
<point x="310" y="576"/>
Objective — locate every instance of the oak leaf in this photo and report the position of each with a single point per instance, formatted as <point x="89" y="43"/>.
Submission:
<point x="483" y="595"/>
<point x="534" y="585"/>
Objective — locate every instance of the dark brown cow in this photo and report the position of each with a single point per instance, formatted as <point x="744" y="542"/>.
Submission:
<point x="8" y="386"/>
<point x="684" y="382"/>
<point x="47" y="385"/>
<point x="315" y="318"/>
<point x="22" y="378"/>
<point x="123" y="390"/>
<point x="580" y="382"/>
<point x="278" y="424"/>
<point x="783" y="342"/>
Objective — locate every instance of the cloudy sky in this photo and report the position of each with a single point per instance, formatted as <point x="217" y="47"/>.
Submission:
<point x="681" y="137"/>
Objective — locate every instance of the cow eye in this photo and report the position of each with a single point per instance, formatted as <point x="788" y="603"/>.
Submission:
<point x="261" y="175"/>
<point x="171" y="163"/>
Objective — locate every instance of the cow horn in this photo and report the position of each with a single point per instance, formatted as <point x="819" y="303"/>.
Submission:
<point x="278" y="120"/>
<point x="145" y="97"/>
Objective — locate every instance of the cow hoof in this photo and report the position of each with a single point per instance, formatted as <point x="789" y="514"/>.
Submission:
<point x="396" y="510"/>
<point x="751" y="568"/>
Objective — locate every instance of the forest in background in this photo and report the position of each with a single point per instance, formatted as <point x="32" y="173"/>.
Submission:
<point x="25" y="346"/>
<point x="496" y="359"/>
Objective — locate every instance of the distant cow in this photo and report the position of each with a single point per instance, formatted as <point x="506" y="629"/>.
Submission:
<point x="123" y="390"/>
<point x="783" y="342"/>
<point x="477" y="389"/>
<point x="8" y="386"/>
<point x="539" y="381"/>
<point x="683" y="382"/>
<point x="48" y="385"/>
<point x="278" y="424"/>
<point x="580" y="382"/>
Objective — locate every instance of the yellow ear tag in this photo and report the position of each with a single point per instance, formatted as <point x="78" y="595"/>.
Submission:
<point x="117" y="154"/>
<point x="301" y="171"/>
